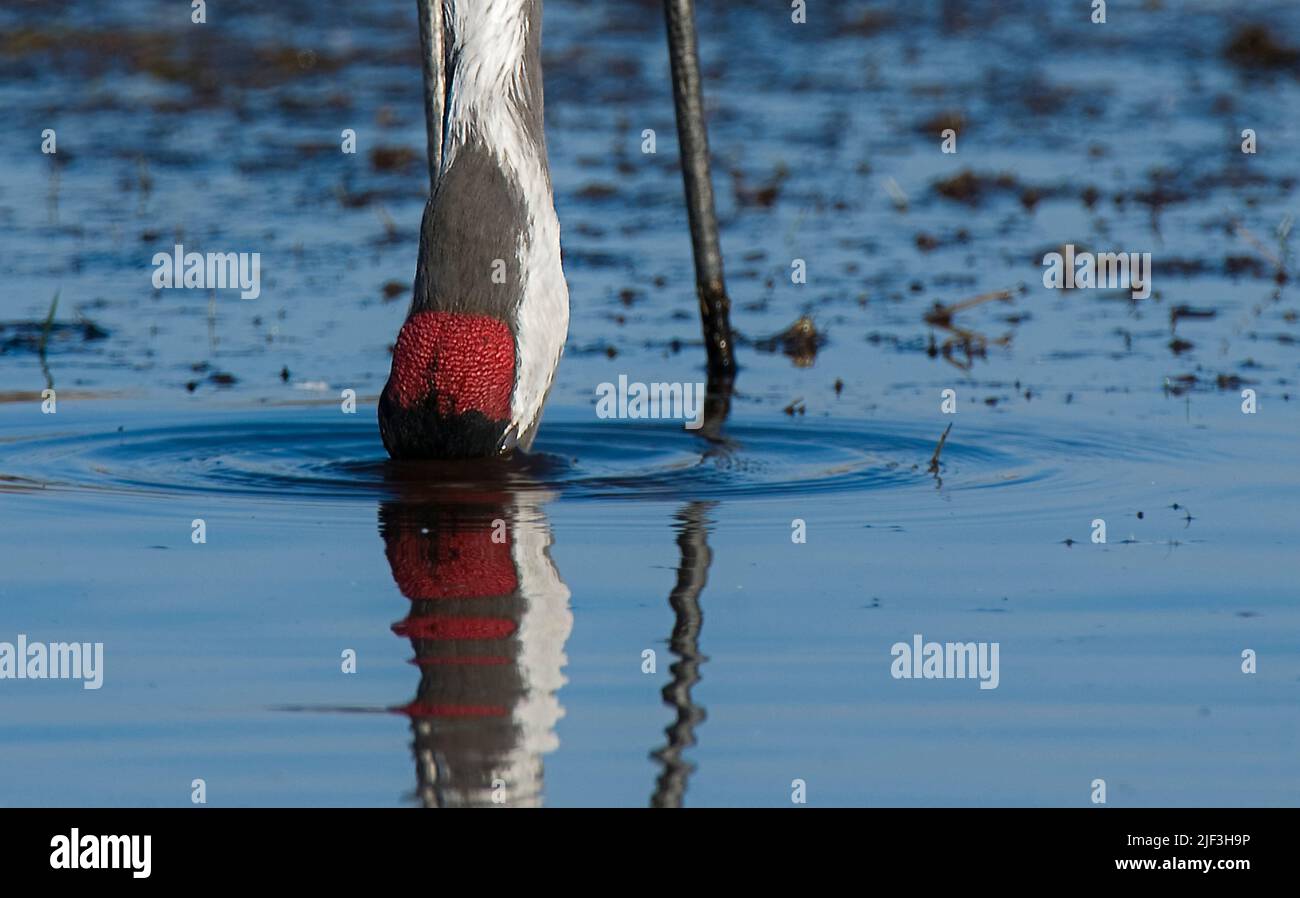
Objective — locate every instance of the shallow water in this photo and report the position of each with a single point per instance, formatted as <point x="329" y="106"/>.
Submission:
<point x="520" y="658"/>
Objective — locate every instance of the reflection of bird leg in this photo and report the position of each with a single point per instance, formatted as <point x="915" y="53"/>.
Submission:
<point x="717" y="406"/>
<point x="488" y="620"/>
<point x="692" y="575"/>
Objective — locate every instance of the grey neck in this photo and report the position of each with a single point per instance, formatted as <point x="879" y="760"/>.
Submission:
<point x="489" y="170"/>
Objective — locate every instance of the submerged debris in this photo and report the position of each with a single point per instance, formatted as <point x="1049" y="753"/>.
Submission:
<point x="597" y="190"/>
<point x="764" y="195"/>
<point x="941" y="315"/>
<point x="972" y="344"/>
<point x="1254" y="47"/>
<point x="1278" y="258"/>
<point x="209" y="65"/>
<point x="1182" y="384"/>
<point x="1179" y="312"/>
<point x="394" y="159"/>
<point x="868" y="23"/>
<point x="970" y="188"/>
<point x="800" y="341"/>
<point x="37" y="336"/>
<point x="943" y="121"/>
<point x="927" y="242"/>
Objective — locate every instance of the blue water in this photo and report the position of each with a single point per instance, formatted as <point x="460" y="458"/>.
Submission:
<point x="1119" y="661"/>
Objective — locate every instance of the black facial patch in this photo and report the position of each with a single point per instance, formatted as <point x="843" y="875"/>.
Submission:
<point x="421" y="431"/>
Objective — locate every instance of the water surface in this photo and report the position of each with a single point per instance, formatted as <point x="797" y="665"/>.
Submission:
<point x="500" y="614"/>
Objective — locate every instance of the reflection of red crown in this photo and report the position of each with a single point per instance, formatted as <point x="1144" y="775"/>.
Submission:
<point x="443" y="626"/>
<point x="425" y="709"/>
<point x="459" y="564"/>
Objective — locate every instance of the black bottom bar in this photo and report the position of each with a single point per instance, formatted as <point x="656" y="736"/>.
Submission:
<point x="213" y="847"/>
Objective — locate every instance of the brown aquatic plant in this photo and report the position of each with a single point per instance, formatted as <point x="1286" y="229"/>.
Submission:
<point x="971" y="343"/>
<point x="938" y="449"/>
<point x="45" y="338"/>
<point x="800" y="341"/>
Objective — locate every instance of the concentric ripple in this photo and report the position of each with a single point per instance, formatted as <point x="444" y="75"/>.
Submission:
<point x="311" y="453"/>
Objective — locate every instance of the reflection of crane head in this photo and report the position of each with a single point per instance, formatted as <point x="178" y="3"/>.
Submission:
<point x="488" y="620"/>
